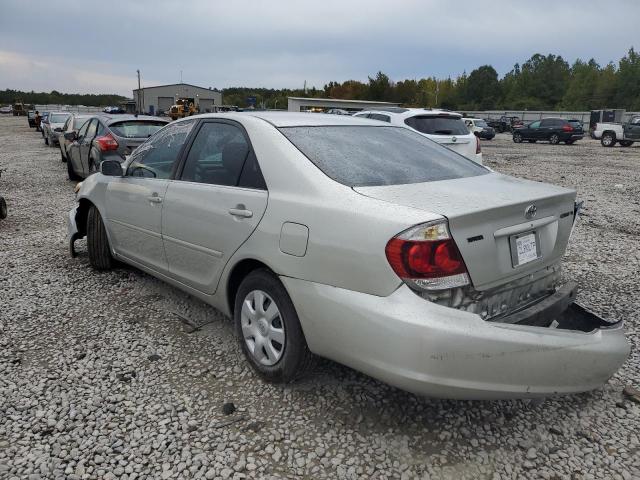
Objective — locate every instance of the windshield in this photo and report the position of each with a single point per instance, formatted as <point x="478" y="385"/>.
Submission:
<point x="438" y="125"/>
<point x="372" y="156"/>
<point x="136" y="128"/>
<point x="58" y="117"/>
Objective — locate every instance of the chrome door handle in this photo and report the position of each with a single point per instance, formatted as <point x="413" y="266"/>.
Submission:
<point x="240" y="211"/>
<point x="155" y="199"/>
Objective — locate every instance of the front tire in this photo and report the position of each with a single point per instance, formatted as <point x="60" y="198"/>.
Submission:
<point x="46" y="140"/>
<point x="62" y="157"/>
<point x="97" y="241"/>
<point x="554" y="139"/>
<point x="626" y="143"/>
<point x="608" y="139"/>
<point x="3" y="208"/>
<point x="517" y="138"/>
<point x="268" y="329"/>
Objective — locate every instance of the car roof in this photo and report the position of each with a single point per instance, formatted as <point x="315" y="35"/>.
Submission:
<point x="111" y="119"/>
<point x="413" y="112"/>
<point x="293" y="119"/>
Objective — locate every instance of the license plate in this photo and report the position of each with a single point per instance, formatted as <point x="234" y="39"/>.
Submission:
<point x="524" y="248"/>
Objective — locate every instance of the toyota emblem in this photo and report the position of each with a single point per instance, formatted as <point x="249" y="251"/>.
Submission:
<point x="454" y="139"/>
<point x="530" y="211"/>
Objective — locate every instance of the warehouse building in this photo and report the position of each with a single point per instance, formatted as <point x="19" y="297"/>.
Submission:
<point x="302" y="104"/>
<point x="158" y="99"/>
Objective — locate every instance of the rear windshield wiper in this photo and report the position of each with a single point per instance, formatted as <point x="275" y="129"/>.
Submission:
<point x="443" y="132"/>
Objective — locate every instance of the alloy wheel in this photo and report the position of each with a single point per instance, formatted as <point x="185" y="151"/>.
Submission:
<point x="262" y="327"/>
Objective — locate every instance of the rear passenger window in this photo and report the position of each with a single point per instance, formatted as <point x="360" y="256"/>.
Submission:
<point x="251" y="176"/>
<point x="217" y="155"/>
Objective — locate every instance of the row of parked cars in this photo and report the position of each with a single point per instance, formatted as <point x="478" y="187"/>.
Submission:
<point x="354" y="238"/>
<point x="86" y="140"/>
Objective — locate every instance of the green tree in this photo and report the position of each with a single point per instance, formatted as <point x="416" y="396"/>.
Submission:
<point x="482" y="89"/>
<point x="628" y="81"/>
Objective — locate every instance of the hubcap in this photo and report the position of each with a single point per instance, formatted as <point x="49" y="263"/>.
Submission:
<point x="262" y="327"/>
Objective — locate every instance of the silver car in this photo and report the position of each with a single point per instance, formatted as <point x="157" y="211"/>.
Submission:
<point x="357" y="241"/>
<point x="52" y="129"/>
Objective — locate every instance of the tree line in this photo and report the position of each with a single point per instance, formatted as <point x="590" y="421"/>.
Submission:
<point x="543" y="82"/>
<point x="54" y="97"/>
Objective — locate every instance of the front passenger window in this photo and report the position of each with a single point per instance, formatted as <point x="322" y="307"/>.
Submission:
<point x="217" y="155"/>
<point x="155" y="158"/>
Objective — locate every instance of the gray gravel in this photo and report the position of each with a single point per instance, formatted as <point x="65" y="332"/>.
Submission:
<point x="117" y="375"/>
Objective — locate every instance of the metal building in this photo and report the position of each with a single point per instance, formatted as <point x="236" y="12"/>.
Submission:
<point x="160" y="98"/>
<point x="302" y="104"/>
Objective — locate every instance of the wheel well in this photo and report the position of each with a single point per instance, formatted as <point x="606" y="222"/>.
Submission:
<point x="81" y="216"/>
<point x="611" y="132"/>
<point x="239" y="272"/>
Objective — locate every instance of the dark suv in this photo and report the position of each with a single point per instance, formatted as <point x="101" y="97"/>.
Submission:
<point x="553" y="130"/>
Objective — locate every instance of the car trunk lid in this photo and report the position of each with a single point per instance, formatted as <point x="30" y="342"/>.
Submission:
<point x="499" y="223"/>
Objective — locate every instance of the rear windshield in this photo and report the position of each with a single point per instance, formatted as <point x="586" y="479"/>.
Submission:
<point x="58" y="117"/>
<point x="136" y="128"/>
<point x="480" y="123"/>
<point x="438" y="125"/>
<point x="78" y="122"/>
<point x="360" y="156"/>
<point x="575" y="123"/>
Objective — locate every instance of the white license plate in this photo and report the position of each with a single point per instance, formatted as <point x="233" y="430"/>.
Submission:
<point x="526" y="248"/>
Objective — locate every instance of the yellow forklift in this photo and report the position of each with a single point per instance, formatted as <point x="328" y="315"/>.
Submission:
<point x="184" y="107"/>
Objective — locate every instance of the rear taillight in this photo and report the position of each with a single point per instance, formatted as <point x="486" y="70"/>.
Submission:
<point x="567" y="128"/>
<point x="106" y="143"/>
<point x="478" y="149"/>
<point x="427" y="258"/>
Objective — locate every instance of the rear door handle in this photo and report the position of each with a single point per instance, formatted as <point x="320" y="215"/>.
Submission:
<point x="240" y="211"/>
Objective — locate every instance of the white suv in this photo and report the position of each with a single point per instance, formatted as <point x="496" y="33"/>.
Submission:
<point x="442" y="126"/>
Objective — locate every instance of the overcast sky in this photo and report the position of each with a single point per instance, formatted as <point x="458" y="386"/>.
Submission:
<point x="96" y="46"/>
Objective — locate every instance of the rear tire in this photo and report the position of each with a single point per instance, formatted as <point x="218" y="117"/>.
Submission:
<point x="517" y="138"/>
<point x="259" y="332"/>
<point x="97" y="241"/>
<point x="62" y="157"/>
<point x="3" y="208"/>
<point x="46" y="140"/>
<point x="626" y="143"/>
<point x="554" y="139"/>
<point x="71" y="173"/>
<point x="608" y="139"/>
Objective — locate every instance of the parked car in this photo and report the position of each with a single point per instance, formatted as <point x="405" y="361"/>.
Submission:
<point x="6" y="109"/>
<point x="623" y="133"/>
<point x="479" y="128"/>
<point x="31" y="118"/>
<point x="338" y="111"/>
<point x="52" y="128"/>
<point x="378" y="248"/>
<point x="506" y="123"/>
<point x="43" y="121"/>
<point x="553" y="130"/>
<point x="107" y="137"/>
<point x="441" y="126"/>
<point x="73" y="124"/>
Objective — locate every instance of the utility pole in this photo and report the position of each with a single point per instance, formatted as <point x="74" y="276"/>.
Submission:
<point x="138" y="106"/>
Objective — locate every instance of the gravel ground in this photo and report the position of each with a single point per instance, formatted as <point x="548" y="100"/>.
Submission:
<point x="117" y="375"/>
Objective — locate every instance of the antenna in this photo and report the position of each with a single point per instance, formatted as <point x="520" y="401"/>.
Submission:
<point x="180" y="76"/>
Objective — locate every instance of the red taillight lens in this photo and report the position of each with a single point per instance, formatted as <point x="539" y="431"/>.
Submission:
<point x="567" y="128"/>
<point x="427" y="257"/>
<point x="106" y="143"/>
<point x="478" y="149"/>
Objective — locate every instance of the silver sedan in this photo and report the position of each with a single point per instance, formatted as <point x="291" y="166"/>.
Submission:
<point x="357" y="241"/>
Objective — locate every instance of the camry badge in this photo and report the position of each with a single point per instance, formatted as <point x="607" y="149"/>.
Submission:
<point x="530" y="211"/>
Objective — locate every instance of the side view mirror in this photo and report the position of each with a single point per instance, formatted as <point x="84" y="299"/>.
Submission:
<point x="71" y="136"/>
<point x="111" y="168"/>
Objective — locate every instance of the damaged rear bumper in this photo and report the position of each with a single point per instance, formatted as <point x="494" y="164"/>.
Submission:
<point x="434" y="350"/>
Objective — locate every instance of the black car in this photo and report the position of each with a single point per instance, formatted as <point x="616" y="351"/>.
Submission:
<point x="552" y="130"/>
<point x="106" y="137"/>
